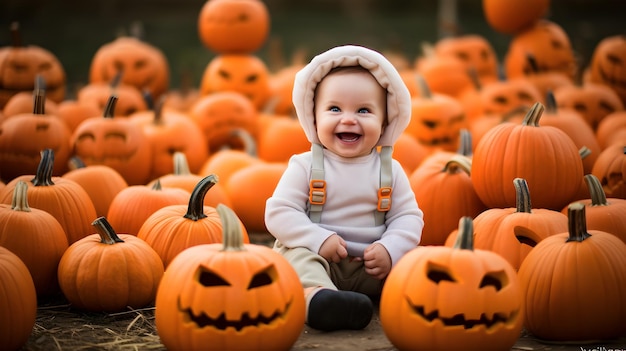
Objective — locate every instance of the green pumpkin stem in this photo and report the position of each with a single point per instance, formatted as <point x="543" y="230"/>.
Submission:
<point x="19" y="202"/>
<point x="195" y="210"/>
<point x="181" y="166"/>
<point x="456" y="163"/>
<point x="465" y="143"/>
<point x="75" y="162"/>
<point x="584" y="152"/>
<point x="231" y="229"/>
<point x="465" y="235"/>
<point x="534" y="115"/>
<point x="551" y="106"/>
<point x="577" y="222"/>
<point x="106" y="231"/>
<point x="522" y="196"/>
<point x="39" y="96"/>
<point x="596" y="192"/>
<point x="157" y="185"/>
<point x="109" y="108"/>
<point x="43" y="177"/>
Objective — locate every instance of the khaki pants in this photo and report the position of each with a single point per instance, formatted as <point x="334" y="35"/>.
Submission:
<point x="315" y="271"/>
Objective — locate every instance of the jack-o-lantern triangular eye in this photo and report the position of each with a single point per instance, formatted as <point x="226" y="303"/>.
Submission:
<point x="209" y="278"/>
<point x="497" y="280"/>
<point x="437" y="273"/>
<point x="266" y="277"/>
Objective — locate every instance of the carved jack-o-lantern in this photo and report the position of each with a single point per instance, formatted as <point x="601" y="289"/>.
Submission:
<point x="437" y="119"/>
<point x="245" y="74"/>
<point x="443" y="298"/>
<point x="143" y="65"/>
<point x="475" y="51"/>
<point x="233" y="296"/>
<point x="220" y="114"/>
<point x="233" y="26"/>
<point x="20" y="65"/>
<point x="548" y="44"/>
<point x="608" y="64"/>
<point x="114" y="142"/>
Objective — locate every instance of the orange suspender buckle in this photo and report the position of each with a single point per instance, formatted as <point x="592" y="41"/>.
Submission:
<point x="384" y="199"/>
<point x="317" y="192"/>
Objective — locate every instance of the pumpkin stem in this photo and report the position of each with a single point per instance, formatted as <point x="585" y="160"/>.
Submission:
<point x="248" y="140"/>
<point x="20" y="197"/>
<point x="551" y="106"/>
<point x="465" y="236"/>
<point x="181" y="166"/>
<point x="522" y="196"/>
<point x="39" y="96"/>
<point x="195" y="209"/>
<point x="117" y="79"/>
<point x="147" y="97"/>
<point x="465" y="143"/>
<point x="106" y="231"/>
<point x="158" y="112"/>
<point x="16" y="35"/>
<point x="157" y="185"/>
<point x="423" y="86"/>
<point x="43" y="177"/>
<point x="533" y="115"/>
<point x="457" y="162"/>
<point x="577" y="222"/>
<point x="596" y="192"/>
<point x="584" y="152"/>
<point x="474" y="78"/>
<point x="231" y="229"/>
<point x="75" y="162"/>
<point x="109" y="108"/>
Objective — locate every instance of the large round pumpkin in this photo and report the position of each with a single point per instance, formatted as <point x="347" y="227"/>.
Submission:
<point x="18" y="301"/>
<point x="230" y="296"/>
<point x="512" y="16"/>
<point x="543" y="155"/>
<point x="608" y="62"/>
<point x="574" y="284"/>
<point x="233" y="26"/>
<point x="452" y="298"/>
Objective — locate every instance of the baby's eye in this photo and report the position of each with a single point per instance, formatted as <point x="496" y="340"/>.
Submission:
<point x="364" y="110"/>
<point x="334" y="109"/>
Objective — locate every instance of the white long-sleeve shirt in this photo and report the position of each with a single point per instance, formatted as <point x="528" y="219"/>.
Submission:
<point x="351" y="199"/>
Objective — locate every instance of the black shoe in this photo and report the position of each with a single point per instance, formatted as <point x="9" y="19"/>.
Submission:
<point x="339" y="310"/>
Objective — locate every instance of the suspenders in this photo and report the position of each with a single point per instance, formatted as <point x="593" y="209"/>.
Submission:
<point x="317" y="186"/>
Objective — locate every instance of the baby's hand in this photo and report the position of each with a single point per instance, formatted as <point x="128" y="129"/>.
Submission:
<point x="377" y="261"/>
<point x="334" y="249"/>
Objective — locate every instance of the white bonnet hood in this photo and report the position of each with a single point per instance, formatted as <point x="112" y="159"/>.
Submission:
<point x="398" y="96"/>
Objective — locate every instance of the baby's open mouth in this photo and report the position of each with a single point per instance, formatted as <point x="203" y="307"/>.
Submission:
<point x="348" y="137"/>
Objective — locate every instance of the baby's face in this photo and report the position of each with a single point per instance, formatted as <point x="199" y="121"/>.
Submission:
<point x="350" y="110"/>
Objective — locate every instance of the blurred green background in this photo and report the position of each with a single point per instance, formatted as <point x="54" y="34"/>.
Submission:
<point x="74" y="30"/>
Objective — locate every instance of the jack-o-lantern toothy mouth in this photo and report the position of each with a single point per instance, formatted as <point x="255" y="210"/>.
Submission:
<point x="459" y="319"/>
<point x="221" y="323"/>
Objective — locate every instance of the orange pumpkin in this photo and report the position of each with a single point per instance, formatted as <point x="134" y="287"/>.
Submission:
<point x="439" y="182"/>
<point x="452" y="298"/>
<point x="144" y="66"/>
<point x="544" y="156"/>
<point x="549" y="45"/>
<point x="220" y="114"/>
<point x="18" y="301"/>
<point x="107" y="272"/>
<point x="574" y="284"/>
<point x="513" y="16"/>
<point x="101" y="182"/>
<point x="130" y="208"/>
<point x="607" y="64"/>
<point x="246" y="74"/>
<point x="280" y="137"/>
<point x="130" y="99"/>
<point x="36" y="237"/>
<point x="172" y="229"/>
<point x="610" y="169"/>
<point x="63" y="198"/>
<point x="20" y="64"/>
<point x="23" y="136"/>
<point x="593" y="101"/>
<point x="22" y="102"/>
<point x="227" y="161"/>
<point x="233" y="26"/>
<point x="475" y="51"/>
<point x="114" y="142"/>
<point x="230" y="296"/>
<point x="612" y="129"/>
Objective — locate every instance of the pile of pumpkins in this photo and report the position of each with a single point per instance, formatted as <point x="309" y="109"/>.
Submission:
<point x="519" y="167"/>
